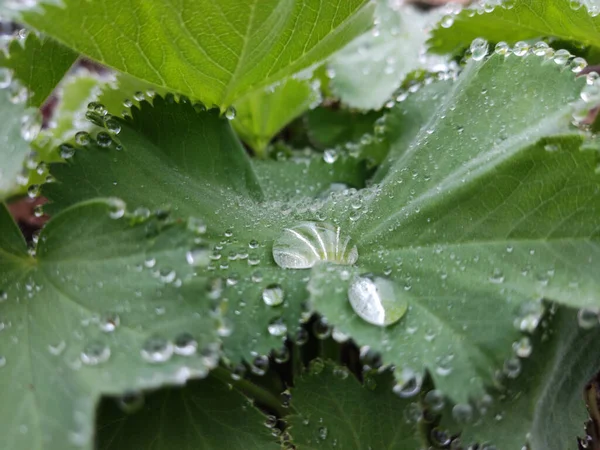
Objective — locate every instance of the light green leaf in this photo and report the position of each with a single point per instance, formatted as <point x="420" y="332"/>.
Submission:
<point x="372" y="67"/>
<point x="517" y="20"/>
<point x="204" y="415"/>
<point x="213" y="52"/>
<point x="77" y="317"/>
<point x="39" y="63"/>
<point x="263" y="113"/>
<point x="475" y="222"/>
<point x="332" y="410"/>
<point x="13" y="149"/>
<point x="544" y="405"/>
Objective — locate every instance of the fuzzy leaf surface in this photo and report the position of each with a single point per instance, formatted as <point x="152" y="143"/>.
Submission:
<point x="212" y="52"/>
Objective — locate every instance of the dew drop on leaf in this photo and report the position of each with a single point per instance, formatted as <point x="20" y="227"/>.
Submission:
<point x="260" y="365"/>
<point x="116" y="208"/>
<point x="435" y="400"/>
<point x="462" y="413"/>
<point x="277" y="328"/>
<point x="157" y="350"/>
<point x="523" y="347"/>
<point x="408" y="384"/>
<point x="198" y="256"/>
<point x="131" y="402"/>
<point x="321" y="328"/>
<point x="308" y="243"/>
<point x="479" y="49"/>
<point x="272" y="295"/>
<point x="375" y="300"/>
<point x="109" y="322"/>
<point x="66" y="151"/>
<point x="2" y="361"/>
<point x="185" y="344"/>
<point x="95" y="353"/>
<point x="587" y="318"/>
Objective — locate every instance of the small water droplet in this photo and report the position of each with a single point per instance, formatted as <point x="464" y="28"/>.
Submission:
<point x="462" y="413"/>
<point x="375" y="300"/>
<point x="95" y="353"/>
<point x="109" y="322"/>
<point x="330" y="156"/>
<point x="185" y="344"/>
<point x="157" y="350"/>
<point x="479" y="49"/>
<point x="260" y="365"/>
<point x="521" y="48"/>
<point x="587" y="318"/>
<point x="277" y="328"/>
<point x="117" y="208"/>
<point x="230" y="113"/>
<point x="131" y="402"/>
<point x="199" y="256"/>
<point x="502" y="48"/>
<point x="66" y="151"/>
<point x="435" y="400"/>
<point x="523" y="347"/>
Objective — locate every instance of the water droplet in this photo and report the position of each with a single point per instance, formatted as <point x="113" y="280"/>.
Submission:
<point x="2" y="361"/>
<point x="282" y="355"/>
<point x="103" y="139"/>
<point x="273" y="295"/>
<point x="330" y="156"/>
<point x="541" y="48"/>
<point x="131" y="402"/>
<point x="304" y="245"/>
<point x="375" y="300"/>
<point x="302" y="337"/>
<point x="117" y="208"/>
<point x="31" y="125"/>
<point x="587" y="318"/>
<point x="435" y="400"/>
<point x="113" y="125"/>
<point x="497" y="277"/>
<point x="196" y="225"/>
<point x="523" y="347"/>
<point x="323" y="433"/>
<point x="66" y="151"/>
<point x="139" y="96"/>
<point x="521" y="48"/>
<point x="479" y="49"/>
<point x="277" y="328"/>
<point x="502" y="48"/>
<point x="230" y="113"/>
<point x="95" y="353"/>
<point x="33" y="191"/>
<point x="578" y="64"/>
<point x="447" y="21"/>
<point x="462" y="413"/>
<point x="6" y="76"/>
<point x="512" y="367"/>
<point x="561" y="57"/>
<point x="185" y="344"/>
<point x="199" y="256"/>
<point x="321" y="328"/>
<point x="109" y="322"/>
<point x="408" y="384"/>
<point x="58" y="348"/>
<point x="157" y="350"/>
<point x="260" y="365"/>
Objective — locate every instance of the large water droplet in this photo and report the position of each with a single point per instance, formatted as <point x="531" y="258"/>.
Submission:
<point x="375" y="300"/>
<point x="304" y="245"/>
<point x="273" y="295"/>
<point x="479" y="48"/>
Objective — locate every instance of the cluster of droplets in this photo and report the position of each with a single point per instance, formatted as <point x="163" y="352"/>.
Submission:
<point x="479" y="7"/>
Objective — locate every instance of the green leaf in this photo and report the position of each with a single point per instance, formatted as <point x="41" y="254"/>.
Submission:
<point x="474" y="222"/>
<point x="307" y="175"/>
<point x="168" y="156"/>
<point x="518" y="20"/>
<point x="336" y="127"/>
<point x="14" y="148"/>
<point x="544" y="406"/>
<point x="263" y="113"/>
<point x="204" y="415"/>
<point x="212" y="52"/>
<point x="171" y="157"/>
<point x="39" y="63"/>
<point x="372" y="67"/>
<point x="331" y="410"/>
<point x="77" y="317"/>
